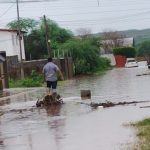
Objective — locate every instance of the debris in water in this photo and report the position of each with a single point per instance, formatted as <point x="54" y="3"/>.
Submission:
<point x="145" y="107"/>
<point x="50" y="99"/>
<point x="144" y="74"/>
<point x="111" y="104"/>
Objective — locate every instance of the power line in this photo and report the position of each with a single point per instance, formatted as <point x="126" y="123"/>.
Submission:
<point x="27" y="1"/>
<point x="91" y="13"/>
<point x="121" y="17"/>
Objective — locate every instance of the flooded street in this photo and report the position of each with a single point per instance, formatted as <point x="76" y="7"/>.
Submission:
<point x="76" y="126"/>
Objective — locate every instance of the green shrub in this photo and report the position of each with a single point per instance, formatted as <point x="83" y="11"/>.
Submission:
<point x="144" y="48"/>
<point x="104" y="63"/>
<point x="35" y="80"/>
<point x="85" y="54"/>
<point x="125" y="51"/>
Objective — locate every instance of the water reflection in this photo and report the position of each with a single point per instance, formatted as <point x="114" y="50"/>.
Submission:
<point x="53" y="110"/>
<point x="57" y="126"/>
<point x="5" y="102"/>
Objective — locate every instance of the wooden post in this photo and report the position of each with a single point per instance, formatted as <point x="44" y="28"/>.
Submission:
<point x="85" y="94"/>
<point x="3" y="72"/>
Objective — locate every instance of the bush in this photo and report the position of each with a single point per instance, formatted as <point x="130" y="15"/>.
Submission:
<point x="104" y="63"/>
<point x="125" y="51"/>
<point x="144" y="49"/>
<point x="85" y="54"/>
<point x="35" y="80"/>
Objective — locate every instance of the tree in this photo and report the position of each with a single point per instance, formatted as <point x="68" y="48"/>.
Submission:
<point x="26" y="24"/>
<point x="55" y="32"/>
<point x="35" y="45"/>
<point x="144" y="50"/>
<point x="85" y="54"/>
<point x="35" y="41"/>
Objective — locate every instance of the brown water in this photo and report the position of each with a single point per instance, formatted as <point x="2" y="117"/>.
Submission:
<point x="75" y="126"/>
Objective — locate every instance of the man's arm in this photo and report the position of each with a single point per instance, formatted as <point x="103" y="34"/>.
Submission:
<point x="60" y="75"/>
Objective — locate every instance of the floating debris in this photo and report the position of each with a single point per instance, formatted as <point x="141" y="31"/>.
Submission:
<point x="145" y="107"/>
<point x="144" y="74"/>
<point x="49" y="100"/>
<point x="111" y="104"/>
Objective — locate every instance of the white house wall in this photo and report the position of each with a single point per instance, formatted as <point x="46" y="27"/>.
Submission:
<point x="9" y="42"/>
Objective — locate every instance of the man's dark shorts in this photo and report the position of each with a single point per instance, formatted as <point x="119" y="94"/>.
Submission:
<point x="52" y="84"/>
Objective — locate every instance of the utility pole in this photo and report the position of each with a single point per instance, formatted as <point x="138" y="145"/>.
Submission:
<point x="20" y="38"/>
<point x="47" y="38"/>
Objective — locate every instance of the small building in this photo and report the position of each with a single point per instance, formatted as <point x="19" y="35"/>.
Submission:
<point x="108" y="45"/>
<point x="106" y="49"/>
<point x="9" y="42"/>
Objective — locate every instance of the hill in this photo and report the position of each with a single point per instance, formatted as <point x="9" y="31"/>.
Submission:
<point x="139" y="35"/>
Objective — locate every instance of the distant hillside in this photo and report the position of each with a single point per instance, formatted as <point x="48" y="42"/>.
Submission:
<point x="139" y="35"/>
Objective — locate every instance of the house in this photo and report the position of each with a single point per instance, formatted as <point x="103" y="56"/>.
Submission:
<point x="108" y="45"/>
<point x="106" y="48"/>
<point x="9" y="42"/>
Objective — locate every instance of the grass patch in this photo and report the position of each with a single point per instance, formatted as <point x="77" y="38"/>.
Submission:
<point x="34" y="80"/>
<point x="143" y="134"/>
<point x="28" y="82"/>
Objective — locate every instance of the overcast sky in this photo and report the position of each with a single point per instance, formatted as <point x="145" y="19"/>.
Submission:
<point x="97" y="15"/>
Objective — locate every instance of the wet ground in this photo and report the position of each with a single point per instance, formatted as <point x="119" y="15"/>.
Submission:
<point x="76" y="126"/>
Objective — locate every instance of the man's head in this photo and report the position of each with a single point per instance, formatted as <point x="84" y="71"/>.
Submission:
<point x="50" y="59"/>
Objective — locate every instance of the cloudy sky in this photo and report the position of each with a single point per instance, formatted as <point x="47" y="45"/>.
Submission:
<point x="97" y="15"/>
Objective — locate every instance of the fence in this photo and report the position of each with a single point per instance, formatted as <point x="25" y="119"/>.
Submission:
<point x="65" y="64"/>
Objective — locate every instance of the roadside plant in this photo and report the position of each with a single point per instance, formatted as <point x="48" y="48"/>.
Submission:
<point x="144" y="50"/>
<point x="34" y="80"/>
<point x="85" y="54"/>
<point x="128" y="52"/>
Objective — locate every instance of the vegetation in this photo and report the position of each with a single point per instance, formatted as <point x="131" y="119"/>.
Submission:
<point x="144" y="50"/>
<point x="84" y="50"/>
<point x="143" y="128"/>
<point x="35" y="43"/>
<point x="125" y="51"/>
<point x="85" y="54"/>
<point x="35" y="80"/>
<point x="26" y="24"/>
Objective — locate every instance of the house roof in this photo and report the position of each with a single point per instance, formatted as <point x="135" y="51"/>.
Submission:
<point x="10" y="30"/>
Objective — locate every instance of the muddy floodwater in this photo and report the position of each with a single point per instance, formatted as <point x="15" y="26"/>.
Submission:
<point x="76" y="126"/>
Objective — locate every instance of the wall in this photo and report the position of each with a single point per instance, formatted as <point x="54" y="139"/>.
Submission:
<point x="9" y="42"/>
<point x="65" y="64"/>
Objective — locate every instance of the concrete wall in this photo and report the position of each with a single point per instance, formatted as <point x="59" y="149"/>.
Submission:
<point x="9" y="42"/>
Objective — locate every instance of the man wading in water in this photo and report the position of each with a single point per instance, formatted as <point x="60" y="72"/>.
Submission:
<point x="51" y="73"/>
